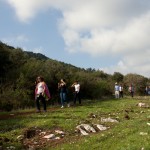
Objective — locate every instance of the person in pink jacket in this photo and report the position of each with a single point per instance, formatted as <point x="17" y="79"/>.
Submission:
<point x="41" y="93"/>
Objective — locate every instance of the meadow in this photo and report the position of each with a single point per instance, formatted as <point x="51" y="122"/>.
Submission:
<point x="25" y="129"/>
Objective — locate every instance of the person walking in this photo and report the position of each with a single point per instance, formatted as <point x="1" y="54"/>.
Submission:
<point x="76" y="86"/>
<point x="116" y="90"/>
<point x="131" y="90"/>
<point x="63" y="93"/>
<point x="41" y="93"/>
<point x="121" y="91"/>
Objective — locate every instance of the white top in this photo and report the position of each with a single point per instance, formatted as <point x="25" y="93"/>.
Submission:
<point x="120" y="88"/>
<point x="77" y="87"/>
<point x="40" y="88"/>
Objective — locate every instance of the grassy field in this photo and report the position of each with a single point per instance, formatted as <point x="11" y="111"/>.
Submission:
<point x="130" y="133"/>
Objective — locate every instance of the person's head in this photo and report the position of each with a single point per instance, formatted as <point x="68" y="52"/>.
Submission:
<point x="40" y="79"/>
<point x="77" y="81"/>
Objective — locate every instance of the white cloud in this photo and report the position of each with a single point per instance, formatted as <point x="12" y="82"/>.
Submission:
<point x="15" y="40"/>
<point x="100" y="28"/>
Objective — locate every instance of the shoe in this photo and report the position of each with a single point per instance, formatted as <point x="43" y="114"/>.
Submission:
<point x="68" y="105"/>
<point x="62" y="106"/>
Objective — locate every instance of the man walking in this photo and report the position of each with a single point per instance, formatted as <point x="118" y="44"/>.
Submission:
<point x="76" y="85"/>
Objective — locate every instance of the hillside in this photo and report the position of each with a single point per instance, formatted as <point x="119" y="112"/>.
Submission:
<point x="19" y="70"/>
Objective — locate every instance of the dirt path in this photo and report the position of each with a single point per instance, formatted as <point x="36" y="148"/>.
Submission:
<point x="18" y="114"/>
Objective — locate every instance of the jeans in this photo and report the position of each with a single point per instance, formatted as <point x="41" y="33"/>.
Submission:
<point x="63" y="97"/>
<point x="40" y="97"/>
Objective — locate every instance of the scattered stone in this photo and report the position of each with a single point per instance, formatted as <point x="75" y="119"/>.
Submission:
<point x="100" y="127"/>
<point x="108" y="120"/>
<point x="42" y="133"/>
<point x="20" y="137"/>
<point x="92" y="115"/>
<point x="85" y="129"/>
<point x="12" y="114"/>
<point x="50" y="136"/>
<point x="59" y="132"/>
<point x="83" y="132"/>
<point x="11" y="148"/>
<point x="57" y="138"/>
<point x="148" y="124"/>
<point x="35" y="143"/>
<point x="143" y="133"/>
<point x="88" y="128"/>
<point x="143" y="105"/>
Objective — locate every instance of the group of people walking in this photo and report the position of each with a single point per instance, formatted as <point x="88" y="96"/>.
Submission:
<point x="119" y="90"/>
<point x="42" y="93"/>
<point x="63" y="92"/>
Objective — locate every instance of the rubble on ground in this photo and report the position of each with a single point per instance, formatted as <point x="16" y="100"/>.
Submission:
<point x="85" y="129"/>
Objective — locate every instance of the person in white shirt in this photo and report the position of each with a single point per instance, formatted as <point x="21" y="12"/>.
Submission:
<point x="76" y="85"/>
<point x="121" y="91"/>
<point x="116" y="90"/>
<point x="41" y="93"/>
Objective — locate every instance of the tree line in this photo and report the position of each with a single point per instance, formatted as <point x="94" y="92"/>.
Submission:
<point x="19" y="69"/>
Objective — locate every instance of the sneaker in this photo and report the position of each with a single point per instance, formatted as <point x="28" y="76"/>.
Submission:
<point x="62" y="106"/>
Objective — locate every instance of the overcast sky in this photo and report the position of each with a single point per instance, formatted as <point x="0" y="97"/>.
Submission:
<point x="110" y="35"/>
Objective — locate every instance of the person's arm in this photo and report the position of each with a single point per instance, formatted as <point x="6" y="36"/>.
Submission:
<point x="73" y="85"/>
<point x="63" y="82"/>
<point x="58" y="85"/>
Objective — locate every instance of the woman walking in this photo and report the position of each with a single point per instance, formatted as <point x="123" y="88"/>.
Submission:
<point x="41" y="93"/>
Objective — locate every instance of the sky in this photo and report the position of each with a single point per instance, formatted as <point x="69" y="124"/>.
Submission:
<point x="111" y="35"/>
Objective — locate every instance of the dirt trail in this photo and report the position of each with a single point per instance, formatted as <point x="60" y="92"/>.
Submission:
<point x="18" y="114"/>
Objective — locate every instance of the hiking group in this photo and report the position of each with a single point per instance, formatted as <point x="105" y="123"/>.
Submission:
<point x="42" y="93"/>
<point x="119" y="90"/>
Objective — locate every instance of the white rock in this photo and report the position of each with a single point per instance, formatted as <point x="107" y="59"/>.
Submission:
<point x="59" y="132"/>
<point x="81" y="130"/>
<point x="50" y="136"/>
<point x="148" y="123"/>
<point x="20" y="137"/>
<point x="88" y="128"/>
<point x="57" y="138"/>
<point x="101" y="127"/>
<point x="42" y="133"/>
<point x="108" y="120"/>
<point x="143" y="133"/>
<point x="143" y="105"/>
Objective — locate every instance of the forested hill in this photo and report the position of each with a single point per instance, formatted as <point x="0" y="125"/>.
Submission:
<point x="37" y="55"/>
<point x="19" y="69"/>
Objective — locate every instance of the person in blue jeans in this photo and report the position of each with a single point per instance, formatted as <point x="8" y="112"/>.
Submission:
<point x="63" y="92"/>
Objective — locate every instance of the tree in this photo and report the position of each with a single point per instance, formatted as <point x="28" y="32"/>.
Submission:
<point x="118" y="77"/>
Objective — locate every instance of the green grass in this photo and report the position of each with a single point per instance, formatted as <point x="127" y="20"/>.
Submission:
<point x="124" y="135"/>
